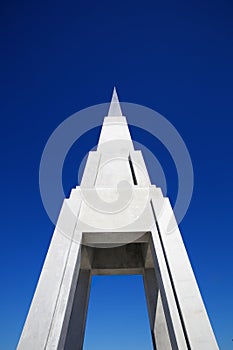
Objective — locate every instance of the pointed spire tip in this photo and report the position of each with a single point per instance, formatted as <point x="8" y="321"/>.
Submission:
<point x="115" y="108"/>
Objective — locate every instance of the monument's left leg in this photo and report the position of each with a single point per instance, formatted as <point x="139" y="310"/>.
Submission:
<point x="45" y="322"/>
<point x="75" y="329"/>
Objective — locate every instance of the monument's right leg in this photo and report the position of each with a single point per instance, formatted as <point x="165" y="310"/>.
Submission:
<point x="158" y="324"/>
<point x="166" y="327"/>
<point x="177" y="283"/>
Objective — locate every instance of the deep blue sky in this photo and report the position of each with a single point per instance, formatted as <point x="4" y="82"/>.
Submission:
<point x="59" y="57"/>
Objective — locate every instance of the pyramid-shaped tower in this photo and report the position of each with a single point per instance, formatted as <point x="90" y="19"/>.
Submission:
<point x="116" y="222"/>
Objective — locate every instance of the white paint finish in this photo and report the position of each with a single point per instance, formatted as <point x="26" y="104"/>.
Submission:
<point x="91" y="169"/>
<point x="140" y="169"/>
<point x="195" y="318"/>
<point x="37" y="326"/>
<point x="101" y="214"/>
<point x="113" y="131"/>
<point x="115" y="108"/>
<point x="41" y="314"/>
<point x="93" y="218"/>
<point x="69" y="281"/>
<point x="113" y="171"/>
<point x="166" y="291"/>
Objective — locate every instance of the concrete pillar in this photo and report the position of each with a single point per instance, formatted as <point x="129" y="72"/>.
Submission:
<point x="158" y="324"/>
<point x="166" y="300"/>
<point x="77" y="322"/>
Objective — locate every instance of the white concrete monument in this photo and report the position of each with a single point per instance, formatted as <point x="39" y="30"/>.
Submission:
<point x="116" y="222"/>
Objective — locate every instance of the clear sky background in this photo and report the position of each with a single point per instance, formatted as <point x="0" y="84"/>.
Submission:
<point x="59" y="57"/>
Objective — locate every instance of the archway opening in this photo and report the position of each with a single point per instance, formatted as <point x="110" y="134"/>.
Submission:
<point x="117" y="316"/>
